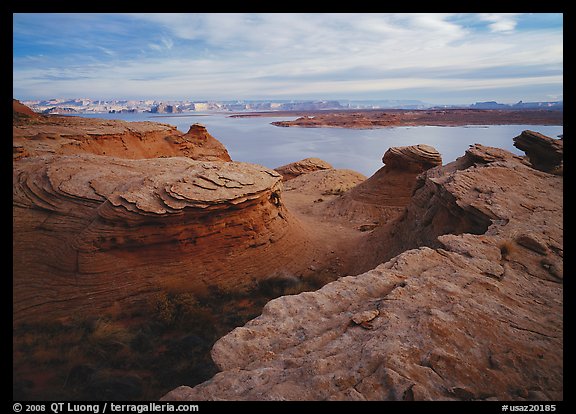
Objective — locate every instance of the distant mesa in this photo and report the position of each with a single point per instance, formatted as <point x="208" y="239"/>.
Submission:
<point x="165" y="109"/>
<point x="123" y="105"/>
<point x="556" y="105"/>
<point x="367" y="119"/>
<point x="60" y="110"/>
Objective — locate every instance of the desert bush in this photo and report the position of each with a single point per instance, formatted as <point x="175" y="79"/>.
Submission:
<point x="277" y="284"/>
<point x="111" y="386"/>
<point x="183" y="310"/>
<point x="507" y="247"/>
<point x="106" y="339"/>
<point x="107" y="331"/>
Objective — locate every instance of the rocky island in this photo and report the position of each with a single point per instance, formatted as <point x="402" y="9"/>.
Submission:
<point x="149" y="264"/>
<point x="438" y="117"/>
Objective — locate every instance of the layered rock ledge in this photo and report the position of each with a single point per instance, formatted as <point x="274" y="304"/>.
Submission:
<point x="371" y="118"/>
<point x="472" y="311"/>
<point x="90" y="224"/>
<point x="36" y="134"/>
<point x="307" y="165"/>
<point x="384" y="195"/>
<point x="544" y="153"/>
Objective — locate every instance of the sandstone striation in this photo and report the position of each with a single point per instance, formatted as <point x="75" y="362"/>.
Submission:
<point x="307" y="165"/>
<point x="458" y="293"/>
<point x="92" y="230"/>
<point x="66" y="135"/>
<point x="415" y="157"/>
<point x="121" y="248"/>
<point x="384" y="195"/>
<point x="544" y="153"/>
<point x="471" y="311"/>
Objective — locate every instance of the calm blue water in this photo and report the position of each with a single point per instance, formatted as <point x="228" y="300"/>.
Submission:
<point x="255" y="140"/>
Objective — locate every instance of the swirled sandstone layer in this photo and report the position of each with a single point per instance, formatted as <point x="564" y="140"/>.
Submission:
<point x="91" y="230"/>
<point x="384" y="195"/>
<point x="305" y="166"/>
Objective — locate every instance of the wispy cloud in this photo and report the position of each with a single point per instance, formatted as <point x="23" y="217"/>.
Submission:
<point x="285" y="55"/>
<point x="500" y="22"/>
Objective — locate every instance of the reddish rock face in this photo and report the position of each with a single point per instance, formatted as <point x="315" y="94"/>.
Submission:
<point x="476" y="315"/>
<point x="134" y="224"/>
<point x="384" y="195"/>
<point x="417" y="158"/>
<point x="100" y="229"/>
<point x="397" y="117"/>
<point x="133" y="140"/>
<point x="544" y="153"/>
<point x="19" y="110"/>
<point x="305" y="166"/>
<point x="203" y="145"/>
<point x="460" y="289"/>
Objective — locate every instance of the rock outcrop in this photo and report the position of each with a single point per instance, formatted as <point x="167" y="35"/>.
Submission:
<point x="414" y="158"/>
<point x="135" y="140"/>
<point x="307" y="165"/>
<point x="472" y="311"/>
<point x="384" y="195"/>
<point x="163" y="108"/>
<point x="19" y="110"/>
<point x="90" y="230"/>
<point x="459" y="285"/>
<point x="370" y="118"/>
<point x="544" y="153"/>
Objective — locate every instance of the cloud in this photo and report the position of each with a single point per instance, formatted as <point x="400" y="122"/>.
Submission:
<point x="500" y="22"/>
<point x="283" y="54"/>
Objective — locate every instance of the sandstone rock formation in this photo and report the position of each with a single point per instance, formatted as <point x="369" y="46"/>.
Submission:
<point x="163" y="108"/>
<point x="304" y="166"/>
<point x="91" y="229"/>
<point x="19" y="110"/>
<point x="459" y="288"/>
<point x="415" y="157"/>
<point x="370" y="118"/>
<point x="99" y="229"/>
<point x="544" y="153"/>
<point x="135" y="140"/>
<point x="472" y="311"/>
<point x="384" y="195"/>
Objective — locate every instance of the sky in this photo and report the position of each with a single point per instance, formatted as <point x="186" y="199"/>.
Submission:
<point x="438" y="58"/>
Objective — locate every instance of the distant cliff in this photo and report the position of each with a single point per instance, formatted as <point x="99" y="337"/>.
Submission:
<point x="165" y="109"/>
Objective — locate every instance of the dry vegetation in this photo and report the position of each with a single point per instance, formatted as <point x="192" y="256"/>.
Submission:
<point x="138" y="355"/>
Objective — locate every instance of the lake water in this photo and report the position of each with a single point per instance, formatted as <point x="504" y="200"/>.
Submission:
<point x="255" y="140"/>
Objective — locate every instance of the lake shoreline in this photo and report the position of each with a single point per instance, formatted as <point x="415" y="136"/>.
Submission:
<point x="370" y="119"/>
